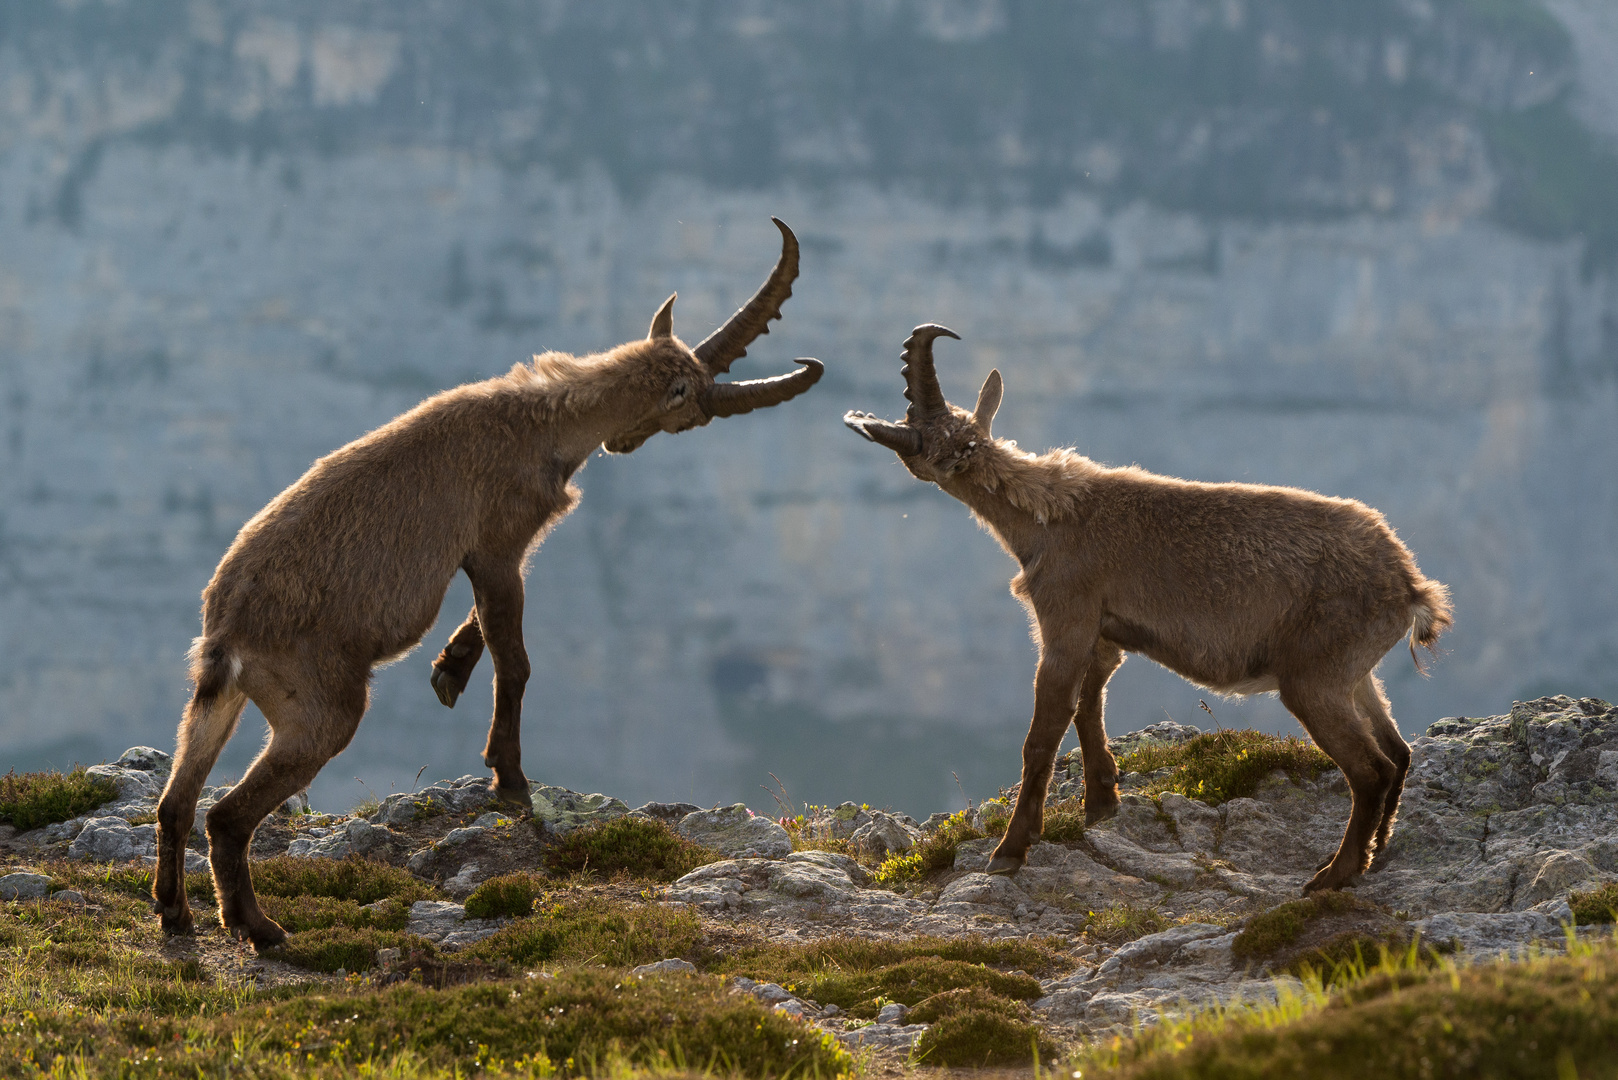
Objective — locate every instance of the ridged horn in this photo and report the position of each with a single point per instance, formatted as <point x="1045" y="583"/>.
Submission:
<point x="921" y="381"/>
<point x="730" y="399"/>
<point x="728" y="344"/>
<point x="896" y="437"/>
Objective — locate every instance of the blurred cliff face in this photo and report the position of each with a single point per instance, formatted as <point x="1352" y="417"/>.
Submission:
<point x="1367" y="251"/>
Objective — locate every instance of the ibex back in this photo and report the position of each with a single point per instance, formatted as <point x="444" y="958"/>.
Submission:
<point x="347" y="568"/>
<point x="1240" y="588"/>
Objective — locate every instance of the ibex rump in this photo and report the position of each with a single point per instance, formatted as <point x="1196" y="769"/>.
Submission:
<point x="1240" y="588"/>
<point x="347" y="568"/>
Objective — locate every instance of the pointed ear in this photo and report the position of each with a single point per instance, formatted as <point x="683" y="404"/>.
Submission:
<point x="663" y="321"/>
<point x="988" y="402"/>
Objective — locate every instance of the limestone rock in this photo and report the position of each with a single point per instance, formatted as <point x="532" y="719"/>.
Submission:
<point x="24" y="886"/>
<point x="737" y="832"/>
<point x="354" y="837"/>
<point x="884" y="835"/>
<point x="668" y="813"/>
<point x="673" y="966"/>
<point x="563" y="810"/>
<point x="112" y="839"/>
<point x="446" y="923"/>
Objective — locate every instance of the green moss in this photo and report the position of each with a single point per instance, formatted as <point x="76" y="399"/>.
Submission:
<point x="634" y="846"/>
<point x="353" y="878"/>
<point x="44" y="798"/>
<point x="509" y="895"/>
<point x="592" y="930"/>
<point x="1216" y="767"/>
<point x="982" y="1038"/>
<point x="1595" y="906"/>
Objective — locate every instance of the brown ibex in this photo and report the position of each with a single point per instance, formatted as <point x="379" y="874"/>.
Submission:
<point x="347" y="568"/>
<point x="1241" y="588"/>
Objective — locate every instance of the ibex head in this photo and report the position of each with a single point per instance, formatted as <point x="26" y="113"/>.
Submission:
<point x="685" y="377"/>
<point x="936" y="440"/>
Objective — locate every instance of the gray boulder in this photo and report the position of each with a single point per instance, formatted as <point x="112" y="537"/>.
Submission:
<point x="563" y="810"/>
<point x="24" y="885"/>
<point x="112" y="839"/>
<point x="884" y="835"/>
<point x="356" y="836"/>
<point x="737" y="832"/>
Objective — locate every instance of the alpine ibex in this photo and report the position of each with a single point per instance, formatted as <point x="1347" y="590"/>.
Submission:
<point x="347" y="568"/>
<point x="1241" y="588"/>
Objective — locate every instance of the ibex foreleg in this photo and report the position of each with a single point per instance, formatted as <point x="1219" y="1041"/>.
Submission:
<point x="499" y="592"/>
<point x="1061" y="668"/>
<point x="1100" y="767"/>
<point x="453" y="668"/>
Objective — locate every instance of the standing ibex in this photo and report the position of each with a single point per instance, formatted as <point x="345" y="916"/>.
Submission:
<point x="1240" y="588"/>
<point x="347" y="568"/>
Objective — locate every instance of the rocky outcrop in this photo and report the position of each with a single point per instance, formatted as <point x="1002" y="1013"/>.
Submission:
<point x="1502" y="817"/>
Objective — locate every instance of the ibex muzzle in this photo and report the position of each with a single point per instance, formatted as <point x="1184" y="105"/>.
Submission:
<point x="1240" y="588"/>
<point x="348" y="566"/>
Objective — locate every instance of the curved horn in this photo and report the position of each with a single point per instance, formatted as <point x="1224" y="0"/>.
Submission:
<point x="730" y="399"/>
<point x="896" y="437"/>
<point x="728" y="344"/>
<point x="921" y="381"/>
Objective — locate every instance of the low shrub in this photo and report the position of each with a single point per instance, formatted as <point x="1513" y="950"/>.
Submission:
<point x="936" y="850"/>
<point x="637" y="847"/>
<point x="44" y="798"/>
<point x="982" y="1038"/>
<point x="592" y="930"/>
<point x="862" y="993"/>
<point x="353" y="878"/>
<point x="1596" y="906"/>
<point x="1218" y="766"/>
<point x="510" y="895"/>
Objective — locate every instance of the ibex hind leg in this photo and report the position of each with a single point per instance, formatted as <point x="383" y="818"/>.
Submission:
<point x="1100" y="767"/>
<point x="207" y="726"/>
<point x="1328" y="714"/>
<point x="306" y="731"/>
<point x="1372" y="703"/>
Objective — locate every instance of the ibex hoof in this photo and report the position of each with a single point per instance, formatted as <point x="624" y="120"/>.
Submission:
<point x="446" y="687"/>
<point x="1004" y="864"/>
<point x="177" y="923"/>
<point x="517" y="797"/>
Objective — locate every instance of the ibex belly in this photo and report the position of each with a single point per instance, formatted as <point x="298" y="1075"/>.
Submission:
<point x="1234" y="675"/>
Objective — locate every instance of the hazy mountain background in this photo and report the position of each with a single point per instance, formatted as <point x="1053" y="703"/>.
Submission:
<point x="1368" y="248"/>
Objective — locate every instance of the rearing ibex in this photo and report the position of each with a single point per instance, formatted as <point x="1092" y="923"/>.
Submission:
<point x="347" y="568"/>
<point x="1240" y="588"/>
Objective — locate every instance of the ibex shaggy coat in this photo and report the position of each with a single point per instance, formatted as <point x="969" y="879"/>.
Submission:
<point x="347" y="568"/>
<point x="1241" y="588"/>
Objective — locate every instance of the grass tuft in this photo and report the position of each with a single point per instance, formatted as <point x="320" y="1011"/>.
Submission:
<point x="1218" y="766"/>
<point x="354" y="878"/>
<point x="35" y="799"/>
<point x="592" y="930"/>
<point x="635" y="847"/>
<point x="1119" y="923"/>
<point x="1064" y="822"/>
